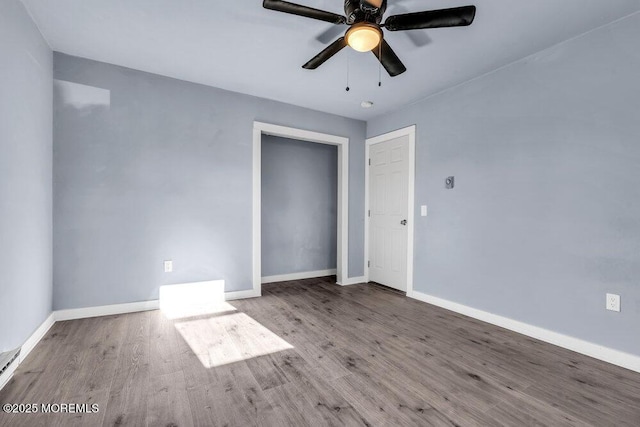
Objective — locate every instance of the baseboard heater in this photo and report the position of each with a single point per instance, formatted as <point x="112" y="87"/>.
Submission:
<point x="7" y="358"/>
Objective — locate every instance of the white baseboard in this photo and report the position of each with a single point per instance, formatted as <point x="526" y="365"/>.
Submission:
<point x="596" y="351"/>
<point x="105" y="310"/>
<point x="251" y="293"/>
<point x="298" y="276"/>
<point x="133" y="307"/>
<point x="36" y="336"/>
<point x="353" y="281"/>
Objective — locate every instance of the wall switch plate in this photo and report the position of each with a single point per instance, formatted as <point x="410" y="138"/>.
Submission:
<point x="613" y="302"/>
<point x="423" y="210"/>
<point x="168" y="266"/>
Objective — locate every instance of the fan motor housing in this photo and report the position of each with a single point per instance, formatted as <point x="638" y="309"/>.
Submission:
<point x="362" y="10"/>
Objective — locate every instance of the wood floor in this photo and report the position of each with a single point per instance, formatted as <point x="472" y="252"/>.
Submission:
<point x="312" y="353"/>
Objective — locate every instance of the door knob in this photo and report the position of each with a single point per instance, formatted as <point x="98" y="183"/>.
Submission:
<point x="403" y="222"/>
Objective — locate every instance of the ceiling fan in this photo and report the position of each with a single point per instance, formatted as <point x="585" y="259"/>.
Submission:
<point x="364" y="18"/>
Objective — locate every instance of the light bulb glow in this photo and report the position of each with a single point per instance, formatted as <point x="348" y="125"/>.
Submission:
<point x="363" y="37"/>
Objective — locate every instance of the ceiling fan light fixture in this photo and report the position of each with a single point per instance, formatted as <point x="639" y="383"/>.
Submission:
<point x="364" y="36"/>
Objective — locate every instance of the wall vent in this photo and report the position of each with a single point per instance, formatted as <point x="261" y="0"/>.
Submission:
<point x="7" y="358"/>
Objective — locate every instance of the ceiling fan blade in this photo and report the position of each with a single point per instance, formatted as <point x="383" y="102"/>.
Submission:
<point x="389" y="59"/>
<point x="454" y="17"/>
<point x="308" y="12"/>
<point x="418" y="38"/>
<point x="326" y="54"/>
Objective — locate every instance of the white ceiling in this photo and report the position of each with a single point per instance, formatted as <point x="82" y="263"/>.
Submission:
<point x="239" y="46"/>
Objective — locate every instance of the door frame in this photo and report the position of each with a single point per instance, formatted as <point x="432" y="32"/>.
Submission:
<point x="259" y="129"/>
<point x="409" y="131"/>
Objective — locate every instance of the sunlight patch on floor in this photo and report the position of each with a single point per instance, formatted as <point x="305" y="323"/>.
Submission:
<point x="229" y="338"/>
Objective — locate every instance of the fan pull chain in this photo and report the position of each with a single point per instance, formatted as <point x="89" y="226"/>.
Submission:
<point x="380" y="64"/>
<point x="347" y="71"/>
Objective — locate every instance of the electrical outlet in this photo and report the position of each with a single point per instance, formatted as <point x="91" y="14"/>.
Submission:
<point x="168" y="266"/>
<point x="613" y="302"/>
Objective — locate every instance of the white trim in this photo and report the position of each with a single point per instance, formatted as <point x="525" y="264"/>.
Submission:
<point x="366" y="209"/>
<point x="409" y="131"/>
<point x="596" y="351"/>
<point x="256" y="251"/>
<point x="299" y="134"/>
<point x="298" y="276"/>
<point x="342" y="143"/>
<point x="251" y="293"/>
<point x="353" y="281"/>
<point x="133" y="307"/>
<point x="105" y="310"/>
<point x="37" y="335"/>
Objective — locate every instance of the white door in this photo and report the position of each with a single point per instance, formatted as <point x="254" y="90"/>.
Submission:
<point x="388" y="195"/>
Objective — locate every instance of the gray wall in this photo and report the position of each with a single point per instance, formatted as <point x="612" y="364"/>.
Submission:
<point x="545" y="216"/>
<point x="148" y="168"/>
<point x="25" y="176"/>
<point x="299" y="206"/>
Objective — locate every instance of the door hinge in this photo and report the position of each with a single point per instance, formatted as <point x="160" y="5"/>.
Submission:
<point x="369" y="213"/>
<point x="369" y="162"/>
<point x="368" y="263"/>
